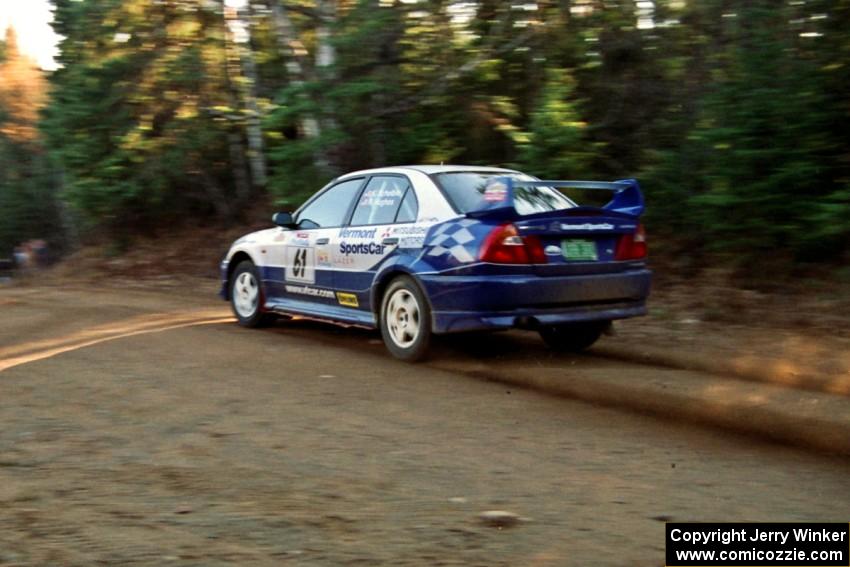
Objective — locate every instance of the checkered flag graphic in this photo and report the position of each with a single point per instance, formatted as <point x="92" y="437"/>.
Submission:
<point x="453" y="239"/>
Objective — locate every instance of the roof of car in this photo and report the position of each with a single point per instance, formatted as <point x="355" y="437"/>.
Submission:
<point x="432" y="169"/>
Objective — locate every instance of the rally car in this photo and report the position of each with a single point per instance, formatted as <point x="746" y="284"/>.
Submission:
<point x="422" y="250"/>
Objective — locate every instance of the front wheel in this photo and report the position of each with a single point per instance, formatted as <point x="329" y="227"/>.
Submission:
<point x="246" y="295"/>
<point x="405" y="320"/>
<point x="574" y="337"/>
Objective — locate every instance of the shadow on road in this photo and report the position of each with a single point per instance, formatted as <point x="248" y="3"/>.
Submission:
<point x="502" y="346"/>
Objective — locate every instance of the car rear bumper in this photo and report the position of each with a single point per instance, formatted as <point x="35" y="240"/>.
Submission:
<point x="465" y="303"/>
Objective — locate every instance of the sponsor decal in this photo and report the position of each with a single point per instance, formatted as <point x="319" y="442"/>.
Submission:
<point x="496" y="192"/>
<point x="299" y="238"/>
<point x="347" y="299"/>
<point x="340" y="261"/>
<point x="411" y="242"/>
<point x="347" y="249"/>
<point x="586" y="226"/>
<point x="311" y="291"/>
<point x="410" y="230"/>
<point x="358" y="233"/>
<point x="323" y="258"/>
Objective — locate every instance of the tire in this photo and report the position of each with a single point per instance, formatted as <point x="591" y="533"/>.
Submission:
<point x="405" y="320"/>
<point x="246" y="295"/>
<point x="575" y="337"/>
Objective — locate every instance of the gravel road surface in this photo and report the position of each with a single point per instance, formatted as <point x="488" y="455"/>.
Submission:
<point x="148" y="428"/>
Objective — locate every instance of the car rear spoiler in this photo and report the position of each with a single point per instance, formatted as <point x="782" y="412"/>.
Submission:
<point x="499" y="195"/>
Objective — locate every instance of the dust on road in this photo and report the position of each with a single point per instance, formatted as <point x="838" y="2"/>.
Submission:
<point x="307" y="445"/>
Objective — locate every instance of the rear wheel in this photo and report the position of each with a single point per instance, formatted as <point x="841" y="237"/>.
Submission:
<point x="246" y="295"/>
<point x="405" y="320"/>
<point x="574" y="337"/>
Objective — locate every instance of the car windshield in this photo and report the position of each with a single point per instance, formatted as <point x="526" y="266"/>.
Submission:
<point x="465" y="190"/>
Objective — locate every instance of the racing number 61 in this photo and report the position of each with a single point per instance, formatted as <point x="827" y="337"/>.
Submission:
<point x="299" y="265"/>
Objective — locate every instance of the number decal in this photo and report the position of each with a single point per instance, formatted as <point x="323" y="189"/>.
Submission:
<point x="300" y="264"/>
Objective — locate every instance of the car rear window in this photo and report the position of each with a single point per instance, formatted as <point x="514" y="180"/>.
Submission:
<point x="465" y="190"/>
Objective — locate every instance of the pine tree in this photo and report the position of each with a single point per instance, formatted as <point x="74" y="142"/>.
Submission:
<point x="142" y="111"/>
<point x="23" y="91"/>
<point x="28" y="206"/>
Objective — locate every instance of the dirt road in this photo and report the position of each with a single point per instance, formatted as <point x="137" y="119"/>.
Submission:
<point x="148" y="428"/>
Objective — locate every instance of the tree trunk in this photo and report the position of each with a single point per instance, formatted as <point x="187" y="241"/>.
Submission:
<point x="237" y="160"/>
<point x="215" y="194"/>
<point x="296" y="68"/>
<point x="71" y="236"/>
<point x="253" y="125"/>
<point x="326" y="52"/>
<point x="237" y="150"/>
<point x="288" y="42"/>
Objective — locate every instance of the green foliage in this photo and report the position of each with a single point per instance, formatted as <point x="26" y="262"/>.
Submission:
<point x="733" y="114"/>
<point x="755" y="174"/>
<point x="555" y="146"/>
<point x="132" y="122"/>
<point x="28" y="205"/>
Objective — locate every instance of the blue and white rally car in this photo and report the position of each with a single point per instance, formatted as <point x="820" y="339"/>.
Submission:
<point x="422" y="250"/>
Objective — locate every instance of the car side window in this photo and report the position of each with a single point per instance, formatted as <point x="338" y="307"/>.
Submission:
<point x="409" y="209"/>
<point x="329" y="208"/>
<point x="380" y="200"/>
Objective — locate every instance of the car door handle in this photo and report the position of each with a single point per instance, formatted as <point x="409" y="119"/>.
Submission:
<point x="390" y="241"/>
<point x="323" y="240"/>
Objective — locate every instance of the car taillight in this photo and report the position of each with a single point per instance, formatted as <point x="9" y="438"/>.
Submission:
<point x="504" y="245"/>
<point x="632" y="246"/>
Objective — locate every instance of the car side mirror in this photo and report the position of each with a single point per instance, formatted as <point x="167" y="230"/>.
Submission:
<point x="284" y="220"/>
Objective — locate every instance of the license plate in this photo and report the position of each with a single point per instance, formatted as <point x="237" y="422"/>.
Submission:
<point x="578" y="249"/>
